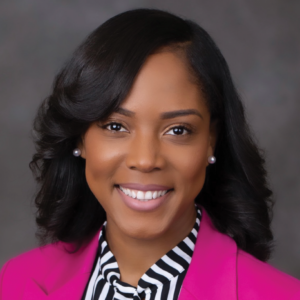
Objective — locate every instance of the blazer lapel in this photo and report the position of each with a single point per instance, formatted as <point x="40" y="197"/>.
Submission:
<point x="67" y="278"/>
<point x="212" y="272"/>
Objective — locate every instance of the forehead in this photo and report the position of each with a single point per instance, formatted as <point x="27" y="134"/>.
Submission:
<point x="164" y="83"/>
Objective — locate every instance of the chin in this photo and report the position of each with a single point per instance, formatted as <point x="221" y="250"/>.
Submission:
<point x="143" y="231"/>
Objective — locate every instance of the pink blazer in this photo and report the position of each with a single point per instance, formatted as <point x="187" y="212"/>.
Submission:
<point x="219" y="270"/>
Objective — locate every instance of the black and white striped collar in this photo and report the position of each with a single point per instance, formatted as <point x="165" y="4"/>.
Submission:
<point x="165" y="269"/>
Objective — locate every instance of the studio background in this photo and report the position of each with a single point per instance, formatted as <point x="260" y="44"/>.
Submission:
<point x="260" y="40"/>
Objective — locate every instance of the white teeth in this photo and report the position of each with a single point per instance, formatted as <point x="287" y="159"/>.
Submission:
<point x="148" y="195"/>
<point x="142" y="196"/>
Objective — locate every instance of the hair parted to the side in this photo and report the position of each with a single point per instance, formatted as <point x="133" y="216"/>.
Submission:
<point x="94" y="83"/>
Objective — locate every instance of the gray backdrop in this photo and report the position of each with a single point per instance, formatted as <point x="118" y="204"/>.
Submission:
<point x="260" y="40"/>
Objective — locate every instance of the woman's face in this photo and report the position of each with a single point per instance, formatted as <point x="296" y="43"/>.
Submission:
<point x="157" y="142"/>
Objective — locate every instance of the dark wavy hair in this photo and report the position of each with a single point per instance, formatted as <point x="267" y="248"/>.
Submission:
<point x="94" y="83"/>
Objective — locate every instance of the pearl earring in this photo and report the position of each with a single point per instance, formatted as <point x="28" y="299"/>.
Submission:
<point x="211" y="159"/>
<point x="76" y="152"/>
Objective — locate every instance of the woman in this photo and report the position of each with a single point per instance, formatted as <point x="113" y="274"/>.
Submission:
<point x="150" y="185"/>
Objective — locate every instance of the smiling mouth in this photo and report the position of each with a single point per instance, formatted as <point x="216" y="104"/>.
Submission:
<point x="143" y="195"/>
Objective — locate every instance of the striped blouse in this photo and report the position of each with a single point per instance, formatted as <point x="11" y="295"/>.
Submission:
<point x="162" y="281"/>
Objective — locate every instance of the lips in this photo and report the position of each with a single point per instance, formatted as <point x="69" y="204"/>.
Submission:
<point x="143" y="199"/>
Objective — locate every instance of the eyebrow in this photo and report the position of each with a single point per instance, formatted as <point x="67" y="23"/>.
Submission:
<point x="125" y="112"/>
<point x="165" y="115"/>
<point x="179" y="113"/>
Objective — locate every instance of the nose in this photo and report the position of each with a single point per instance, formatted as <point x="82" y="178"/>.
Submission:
<point x="144" y="153"/>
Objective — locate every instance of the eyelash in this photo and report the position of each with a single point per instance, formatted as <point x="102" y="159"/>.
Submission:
<point x="183" y="126"/>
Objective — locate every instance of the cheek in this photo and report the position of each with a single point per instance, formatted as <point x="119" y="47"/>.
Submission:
<point x="193" y="167"/>
<point x="102" y="161"/>
<point x="190" y="168"/>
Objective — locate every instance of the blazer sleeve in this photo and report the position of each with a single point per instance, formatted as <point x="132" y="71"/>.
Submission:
<point x="258" y="280"/>
<point x="11" y="281"/>
<point x="296" y="297"/>
<point x="2" y="279"/>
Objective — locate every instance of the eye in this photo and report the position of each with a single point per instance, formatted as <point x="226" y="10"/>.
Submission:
<point x="113" y="126"/>
<point x="179" y="130"/>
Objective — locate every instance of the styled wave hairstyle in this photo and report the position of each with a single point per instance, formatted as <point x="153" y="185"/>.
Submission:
<point x="94" y="83"/>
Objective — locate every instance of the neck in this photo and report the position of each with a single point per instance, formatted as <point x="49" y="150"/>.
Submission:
<point x="135" y="256"/>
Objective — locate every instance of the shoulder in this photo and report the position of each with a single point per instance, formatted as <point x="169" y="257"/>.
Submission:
<point x="36" y="259"/>
<point x="259" y="280"/>
<point x="54" y="269"/>
<point x="220" y="270"/>
<point x="32" y="264"/>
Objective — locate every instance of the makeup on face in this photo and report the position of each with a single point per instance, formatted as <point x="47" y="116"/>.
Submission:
<point x="146" y="162"/>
